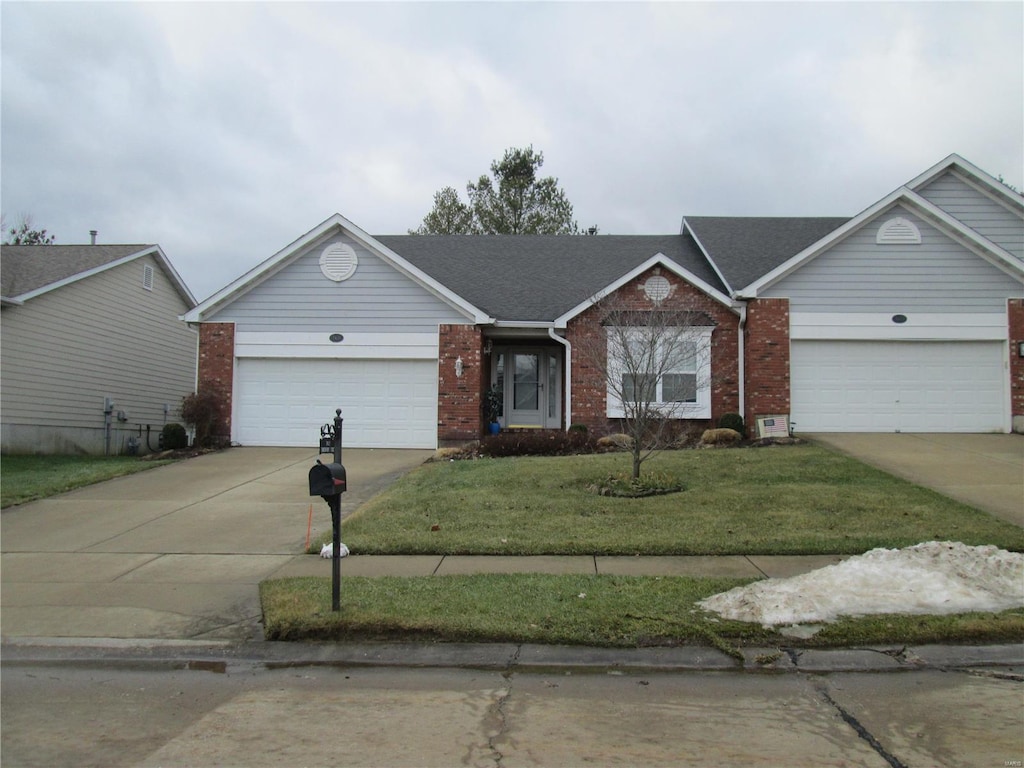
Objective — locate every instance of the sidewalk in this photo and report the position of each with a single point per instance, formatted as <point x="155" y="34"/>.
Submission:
<point x="735" y="566"/>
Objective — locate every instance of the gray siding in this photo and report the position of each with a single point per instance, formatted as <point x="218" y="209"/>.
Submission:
<point x="376" y="299"/>
<point x="857" y="275"/>
<point x="103" y="336"/>
<point x="978" y="211"/>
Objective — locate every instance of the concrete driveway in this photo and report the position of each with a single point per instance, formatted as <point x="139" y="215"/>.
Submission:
<point x="173" y="552"/>
<point x="983" y="470"/>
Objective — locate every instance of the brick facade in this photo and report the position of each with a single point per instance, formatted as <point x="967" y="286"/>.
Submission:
<point x="460" y="398"/>
<point x="766" y="358"/>
<point x="216" y="372"/>
<point x="1015" y="318"/>
<point x="587" y="337"/>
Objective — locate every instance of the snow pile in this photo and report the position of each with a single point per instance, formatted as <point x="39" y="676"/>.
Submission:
<point x="936" y="577"/>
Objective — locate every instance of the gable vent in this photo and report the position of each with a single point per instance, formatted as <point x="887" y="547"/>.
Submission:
<point x="898" y="231"/>
<point x="657" y="288"/>
<point x="147" y="277"/>
<point x="338" y="262"/>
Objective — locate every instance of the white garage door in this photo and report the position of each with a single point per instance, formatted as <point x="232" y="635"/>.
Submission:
<point x="869" y="386"/>
<point x="385" y="403"/>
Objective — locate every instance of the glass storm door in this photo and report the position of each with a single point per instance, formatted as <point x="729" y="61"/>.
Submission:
<point x="531" y="389"/>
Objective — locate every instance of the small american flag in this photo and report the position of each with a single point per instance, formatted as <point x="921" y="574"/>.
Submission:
<point x="773" y="426"/>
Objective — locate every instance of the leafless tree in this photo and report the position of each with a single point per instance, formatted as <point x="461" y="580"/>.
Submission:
<point x="655" y="362"/>
<point x="25" y="233"/>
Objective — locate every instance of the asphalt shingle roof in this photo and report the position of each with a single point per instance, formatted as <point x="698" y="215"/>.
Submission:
<point x="539" y="277"/>
<point x="747" y="248"/>
<point x="25" y="268"/>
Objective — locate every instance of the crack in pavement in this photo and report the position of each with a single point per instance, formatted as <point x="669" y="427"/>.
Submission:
<point x="498" y="710"/>
<point x="499" y="714"/>
<point x="861" y="731"/>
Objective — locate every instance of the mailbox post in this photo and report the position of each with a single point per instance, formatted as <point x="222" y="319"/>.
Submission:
<point x="328" y="481"/>
<point x="330" y="437"/>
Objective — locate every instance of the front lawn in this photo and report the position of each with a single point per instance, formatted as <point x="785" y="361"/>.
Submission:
<point x="614" y="611"/>
<point x="780" y="500"/>
<point x="26" y="478"/>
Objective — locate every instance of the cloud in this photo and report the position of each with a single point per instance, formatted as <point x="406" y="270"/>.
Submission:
<point x="224" y="131"/>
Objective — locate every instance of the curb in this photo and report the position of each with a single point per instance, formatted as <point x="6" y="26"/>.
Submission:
<point x="226" y="656"/>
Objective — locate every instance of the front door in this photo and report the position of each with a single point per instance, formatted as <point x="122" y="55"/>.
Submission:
<point x="530" y="379"/>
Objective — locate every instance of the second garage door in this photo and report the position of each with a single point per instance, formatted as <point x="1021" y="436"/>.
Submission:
<point x="875" y="386"/>
<point x="385" y="403"/>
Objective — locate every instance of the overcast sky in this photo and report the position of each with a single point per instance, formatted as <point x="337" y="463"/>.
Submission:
<point x="225" y="131"/>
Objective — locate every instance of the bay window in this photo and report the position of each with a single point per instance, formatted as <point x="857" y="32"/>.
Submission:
<point x="664" y="371"/>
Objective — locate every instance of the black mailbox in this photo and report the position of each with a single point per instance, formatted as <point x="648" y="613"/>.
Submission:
<point x="327" y="479"/>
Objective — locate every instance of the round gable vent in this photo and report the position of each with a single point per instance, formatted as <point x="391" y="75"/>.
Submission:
<point x="657" y="288"/>
<point x="338" y="262"/>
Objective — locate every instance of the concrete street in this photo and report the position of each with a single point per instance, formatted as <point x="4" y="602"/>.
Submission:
<point x="80" y="716"/>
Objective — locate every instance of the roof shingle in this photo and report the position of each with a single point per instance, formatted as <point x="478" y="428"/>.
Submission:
<point x="25" y="268"/>
<point x="539" y="277"/>
<point x="748" y="248"/>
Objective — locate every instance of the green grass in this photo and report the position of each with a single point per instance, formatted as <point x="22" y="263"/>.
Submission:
<point x="782" y="500"/>
<point x="791" y="500"/>
<point x="26" y="478"/>
<point x="604" y="611"/>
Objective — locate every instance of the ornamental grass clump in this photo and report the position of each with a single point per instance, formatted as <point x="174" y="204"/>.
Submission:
<point x="648" y="484"/>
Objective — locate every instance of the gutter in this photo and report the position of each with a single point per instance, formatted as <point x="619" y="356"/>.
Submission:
<point x="568" y="375"/>
<point x="741" y="362"/>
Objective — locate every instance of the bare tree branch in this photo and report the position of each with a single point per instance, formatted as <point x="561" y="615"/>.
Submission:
<point x="655" y="363"/>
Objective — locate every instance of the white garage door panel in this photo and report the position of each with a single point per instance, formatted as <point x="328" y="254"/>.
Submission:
<point x="866" y="386"/>
<point x="385" y="403"/>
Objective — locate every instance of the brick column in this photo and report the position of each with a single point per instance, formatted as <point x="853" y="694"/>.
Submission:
<point x="1015" y="319"/>
<point x="460" y="398"/>
<point x="216" y="372"/>
<point x="766" y="365"/>
<point x="725" y="396"/>
<point x="589" y="387"/>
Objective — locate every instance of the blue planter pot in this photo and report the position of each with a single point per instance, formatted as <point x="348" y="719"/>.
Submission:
<point x="494" y="427"/>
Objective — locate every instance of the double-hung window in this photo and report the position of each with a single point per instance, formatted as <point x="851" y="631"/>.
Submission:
<point x="664" y="370"/>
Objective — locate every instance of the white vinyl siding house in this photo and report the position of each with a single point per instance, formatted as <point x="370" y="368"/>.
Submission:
<point x="307" y="343"/>
<point x="938" y="276"/>
<point x="979" y="210"/>
<point x="67" y="350"/>
<point x="377" y="298"/>
<point x="888" y="336"/>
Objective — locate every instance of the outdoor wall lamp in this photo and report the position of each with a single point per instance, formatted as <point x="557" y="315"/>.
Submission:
<point x="1020" y="349"/>
<point x="458" y="368"/>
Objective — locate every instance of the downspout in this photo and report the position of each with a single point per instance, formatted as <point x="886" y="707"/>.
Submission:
<point x="568" y="375"/>
<point x="740" y="361"/>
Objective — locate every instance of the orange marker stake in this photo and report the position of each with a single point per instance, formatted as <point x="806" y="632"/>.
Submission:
<point x="309" y="525"/>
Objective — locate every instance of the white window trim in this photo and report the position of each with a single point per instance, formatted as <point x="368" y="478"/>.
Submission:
<point x="701" y="409"/>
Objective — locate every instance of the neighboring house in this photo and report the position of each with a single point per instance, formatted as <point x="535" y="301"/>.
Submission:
<point x="93" y="356"/>
<point x="906" y="317"/>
